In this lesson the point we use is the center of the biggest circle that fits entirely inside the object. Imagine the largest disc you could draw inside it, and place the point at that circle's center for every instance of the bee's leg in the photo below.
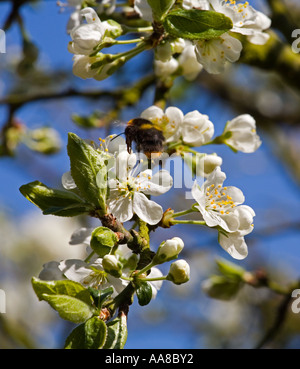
(128, 143)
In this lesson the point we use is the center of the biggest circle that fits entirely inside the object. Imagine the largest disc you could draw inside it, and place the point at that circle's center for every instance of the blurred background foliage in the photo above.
(41, 101)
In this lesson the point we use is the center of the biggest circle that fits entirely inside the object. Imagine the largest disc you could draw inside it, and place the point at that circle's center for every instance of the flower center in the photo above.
(164, 123)
(216, 199)
(96, 278)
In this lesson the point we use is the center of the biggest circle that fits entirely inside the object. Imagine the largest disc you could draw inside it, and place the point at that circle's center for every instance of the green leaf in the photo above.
(76, 339)
(69, 308)
(197, 24)
(100, 296)
(63, 287)
(144, 293)
(86, 165)
(52, 201)
(160, 8)
(230, 270)
(103, 240)
(116, 333)
(90, 335)
(222, 288)
(95, 333)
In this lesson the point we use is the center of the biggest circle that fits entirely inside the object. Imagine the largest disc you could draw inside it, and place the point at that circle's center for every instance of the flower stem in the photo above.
(90, 256)
(126, 42)
(196, 222)
(127, 29)
(182, 213)
(163, 278)
(126, 278)
(146, 268)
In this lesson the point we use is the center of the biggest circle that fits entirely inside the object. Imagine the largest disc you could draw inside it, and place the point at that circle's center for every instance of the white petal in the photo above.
(51, 272)
(68, 181)
(81, 236)
(216, 178)
(234, 244)
(120, 207)
(159, 184)
(82, 67)
(155, 285)
(143, 9)
(245, 214)
(147, 210)
(199, 197)
(75, 270)
(152, 113)
(90, 15)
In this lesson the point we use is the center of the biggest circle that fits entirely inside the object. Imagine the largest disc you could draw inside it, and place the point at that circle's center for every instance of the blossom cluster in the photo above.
(173, 55)
(113, 183)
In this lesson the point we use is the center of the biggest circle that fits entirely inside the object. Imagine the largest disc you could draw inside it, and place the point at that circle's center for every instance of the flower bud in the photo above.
(179, 272)
(103, 240)
(169, 250)
(211, 161)
(112, 266)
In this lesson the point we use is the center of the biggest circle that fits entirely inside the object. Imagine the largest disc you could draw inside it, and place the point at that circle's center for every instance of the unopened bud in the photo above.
(211, 161)
(112, 266)
(169, 250)
(179, 272)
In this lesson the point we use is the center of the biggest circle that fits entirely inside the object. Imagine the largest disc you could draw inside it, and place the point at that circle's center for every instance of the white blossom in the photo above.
(241, 133)
(91, 275)
(169, 120)
(217, 203)
(127, 195)
(246, 20)
(165, 69)
(189, 63)
(196, 129)
(213, 54)
(87, 35)
(221, 207)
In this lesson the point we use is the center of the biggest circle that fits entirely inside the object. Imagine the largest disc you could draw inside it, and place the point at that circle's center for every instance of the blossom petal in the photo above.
(51, 272)
(152, 113)
(155, 285)
(81, 236)
(234, 244)
(147, 210)
(159, 184)
(120, 207)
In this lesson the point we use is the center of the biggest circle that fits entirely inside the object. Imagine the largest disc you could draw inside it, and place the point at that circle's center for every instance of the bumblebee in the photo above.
(146, 135)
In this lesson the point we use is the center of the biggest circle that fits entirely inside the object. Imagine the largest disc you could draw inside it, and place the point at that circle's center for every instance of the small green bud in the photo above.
(114, 29)
(103, 240)
(179, 272)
